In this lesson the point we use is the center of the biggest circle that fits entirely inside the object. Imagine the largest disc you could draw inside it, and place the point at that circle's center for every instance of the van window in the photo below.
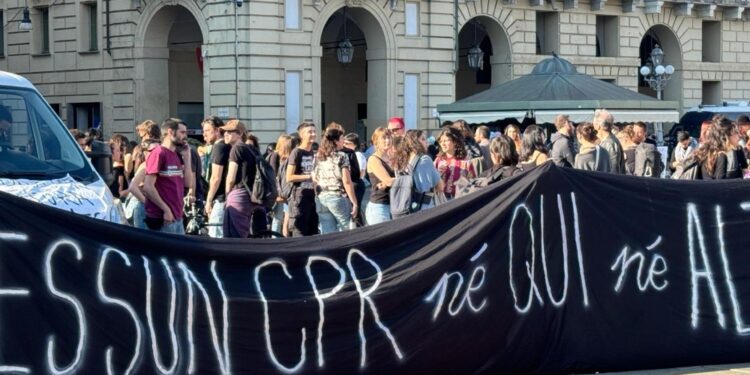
(34, 143)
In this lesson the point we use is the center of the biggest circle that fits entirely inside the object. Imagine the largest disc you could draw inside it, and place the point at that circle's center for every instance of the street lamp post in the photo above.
(657, 75)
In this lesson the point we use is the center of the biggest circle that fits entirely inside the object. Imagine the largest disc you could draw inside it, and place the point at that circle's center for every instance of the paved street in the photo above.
(734, 369)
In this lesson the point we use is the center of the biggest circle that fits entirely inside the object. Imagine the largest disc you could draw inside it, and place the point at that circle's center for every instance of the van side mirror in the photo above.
(101, 158)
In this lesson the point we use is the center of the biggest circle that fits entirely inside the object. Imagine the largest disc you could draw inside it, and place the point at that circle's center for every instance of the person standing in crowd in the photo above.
(513, 132)
(142, 130)
(211, 126)
(381, 177)
(683, 150)
(284, 147)
(135, 190)
(591, 157)
(533, 149)
(396, 126)
(336, 203)
(6, 126)
(504, 159)
(626, 136)
(645, 152)
(473, 151)
(603, 123)
(303, 218)
(119, 146)
(562, 151)
(354, 171)
(217, 154)
(411, 157)
(150, 139)
(166, 178)
(242, 217)
(718, 155)
(252, 140)
(451, 161)
(195, 189)
(80, 139)
(351, 142)
(482, 136)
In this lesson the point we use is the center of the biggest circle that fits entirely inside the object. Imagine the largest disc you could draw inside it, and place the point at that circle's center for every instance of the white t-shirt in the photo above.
(362, 163)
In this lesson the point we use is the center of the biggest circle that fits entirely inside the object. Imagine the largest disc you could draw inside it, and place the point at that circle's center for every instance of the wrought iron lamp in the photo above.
(476, 55)
(345, 50)
(657, 76)
(655, 73)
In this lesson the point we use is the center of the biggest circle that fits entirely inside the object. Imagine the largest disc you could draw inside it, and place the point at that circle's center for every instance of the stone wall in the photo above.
(116, 77)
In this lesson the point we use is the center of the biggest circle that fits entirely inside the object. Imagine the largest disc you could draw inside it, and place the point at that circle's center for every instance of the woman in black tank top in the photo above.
(381, 176)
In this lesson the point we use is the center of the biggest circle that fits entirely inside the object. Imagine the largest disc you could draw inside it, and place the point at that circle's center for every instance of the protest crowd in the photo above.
(308, 183)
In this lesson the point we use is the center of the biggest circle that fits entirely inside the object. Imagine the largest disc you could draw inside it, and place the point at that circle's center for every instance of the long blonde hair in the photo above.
(284, 146)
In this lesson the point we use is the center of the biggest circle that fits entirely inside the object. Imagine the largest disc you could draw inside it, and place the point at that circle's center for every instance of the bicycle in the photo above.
(197, 224)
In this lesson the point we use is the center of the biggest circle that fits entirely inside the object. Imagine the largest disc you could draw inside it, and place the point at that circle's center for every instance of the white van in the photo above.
(40, 160)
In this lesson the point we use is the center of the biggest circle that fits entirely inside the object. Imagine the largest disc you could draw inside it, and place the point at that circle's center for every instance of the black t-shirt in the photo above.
(244, 155)
(220, 155)
(303, 162)
(353, 165)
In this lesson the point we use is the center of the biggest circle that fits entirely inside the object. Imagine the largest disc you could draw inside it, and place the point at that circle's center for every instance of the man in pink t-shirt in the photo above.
(167, 173)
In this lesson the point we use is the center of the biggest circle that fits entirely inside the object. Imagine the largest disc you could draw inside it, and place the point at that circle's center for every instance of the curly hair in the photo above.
(328, 146)
(458, 142)
(409, 144)
(463, 127)
(626, 135)
(532, 140)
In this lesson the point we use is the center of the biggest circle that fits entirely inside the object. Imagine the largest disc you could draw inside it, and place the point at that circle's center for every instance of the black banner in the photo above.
(552, 271)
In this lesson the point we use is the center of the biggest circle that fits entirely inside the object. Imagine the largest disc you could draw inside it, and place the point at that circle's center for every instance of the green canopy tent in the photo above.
(555, 87)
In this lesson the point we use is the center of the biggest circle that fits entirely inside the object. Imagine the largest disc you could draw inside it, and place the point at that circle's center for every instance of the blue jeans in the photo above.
(175, 227)
(277, 225)
(216, 220)
(377, 213)
(334, 212)
(139, 216)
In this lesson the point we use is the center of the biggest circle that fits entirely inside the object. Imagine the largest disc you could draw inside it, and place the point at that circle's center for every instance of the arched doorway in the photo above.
(170, 75)
(668, 42)
(497, 66)
(354, 94)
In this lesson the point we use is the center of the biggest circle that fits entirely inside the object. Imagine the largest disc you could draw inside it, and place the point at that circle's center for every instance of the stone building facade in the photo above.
(273, 63)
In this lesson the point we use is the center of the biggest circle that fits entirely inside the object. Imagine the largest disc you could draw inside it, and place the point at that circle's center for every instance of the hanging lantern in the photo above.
(476, 55)
(26, 21)
(345, 52)
(476, 58)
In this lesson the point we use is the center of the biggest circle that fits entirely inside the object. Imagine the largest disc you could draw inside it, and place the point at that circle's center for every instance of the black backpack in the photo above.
(264, 191)
(465, 186)
(286, 189)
